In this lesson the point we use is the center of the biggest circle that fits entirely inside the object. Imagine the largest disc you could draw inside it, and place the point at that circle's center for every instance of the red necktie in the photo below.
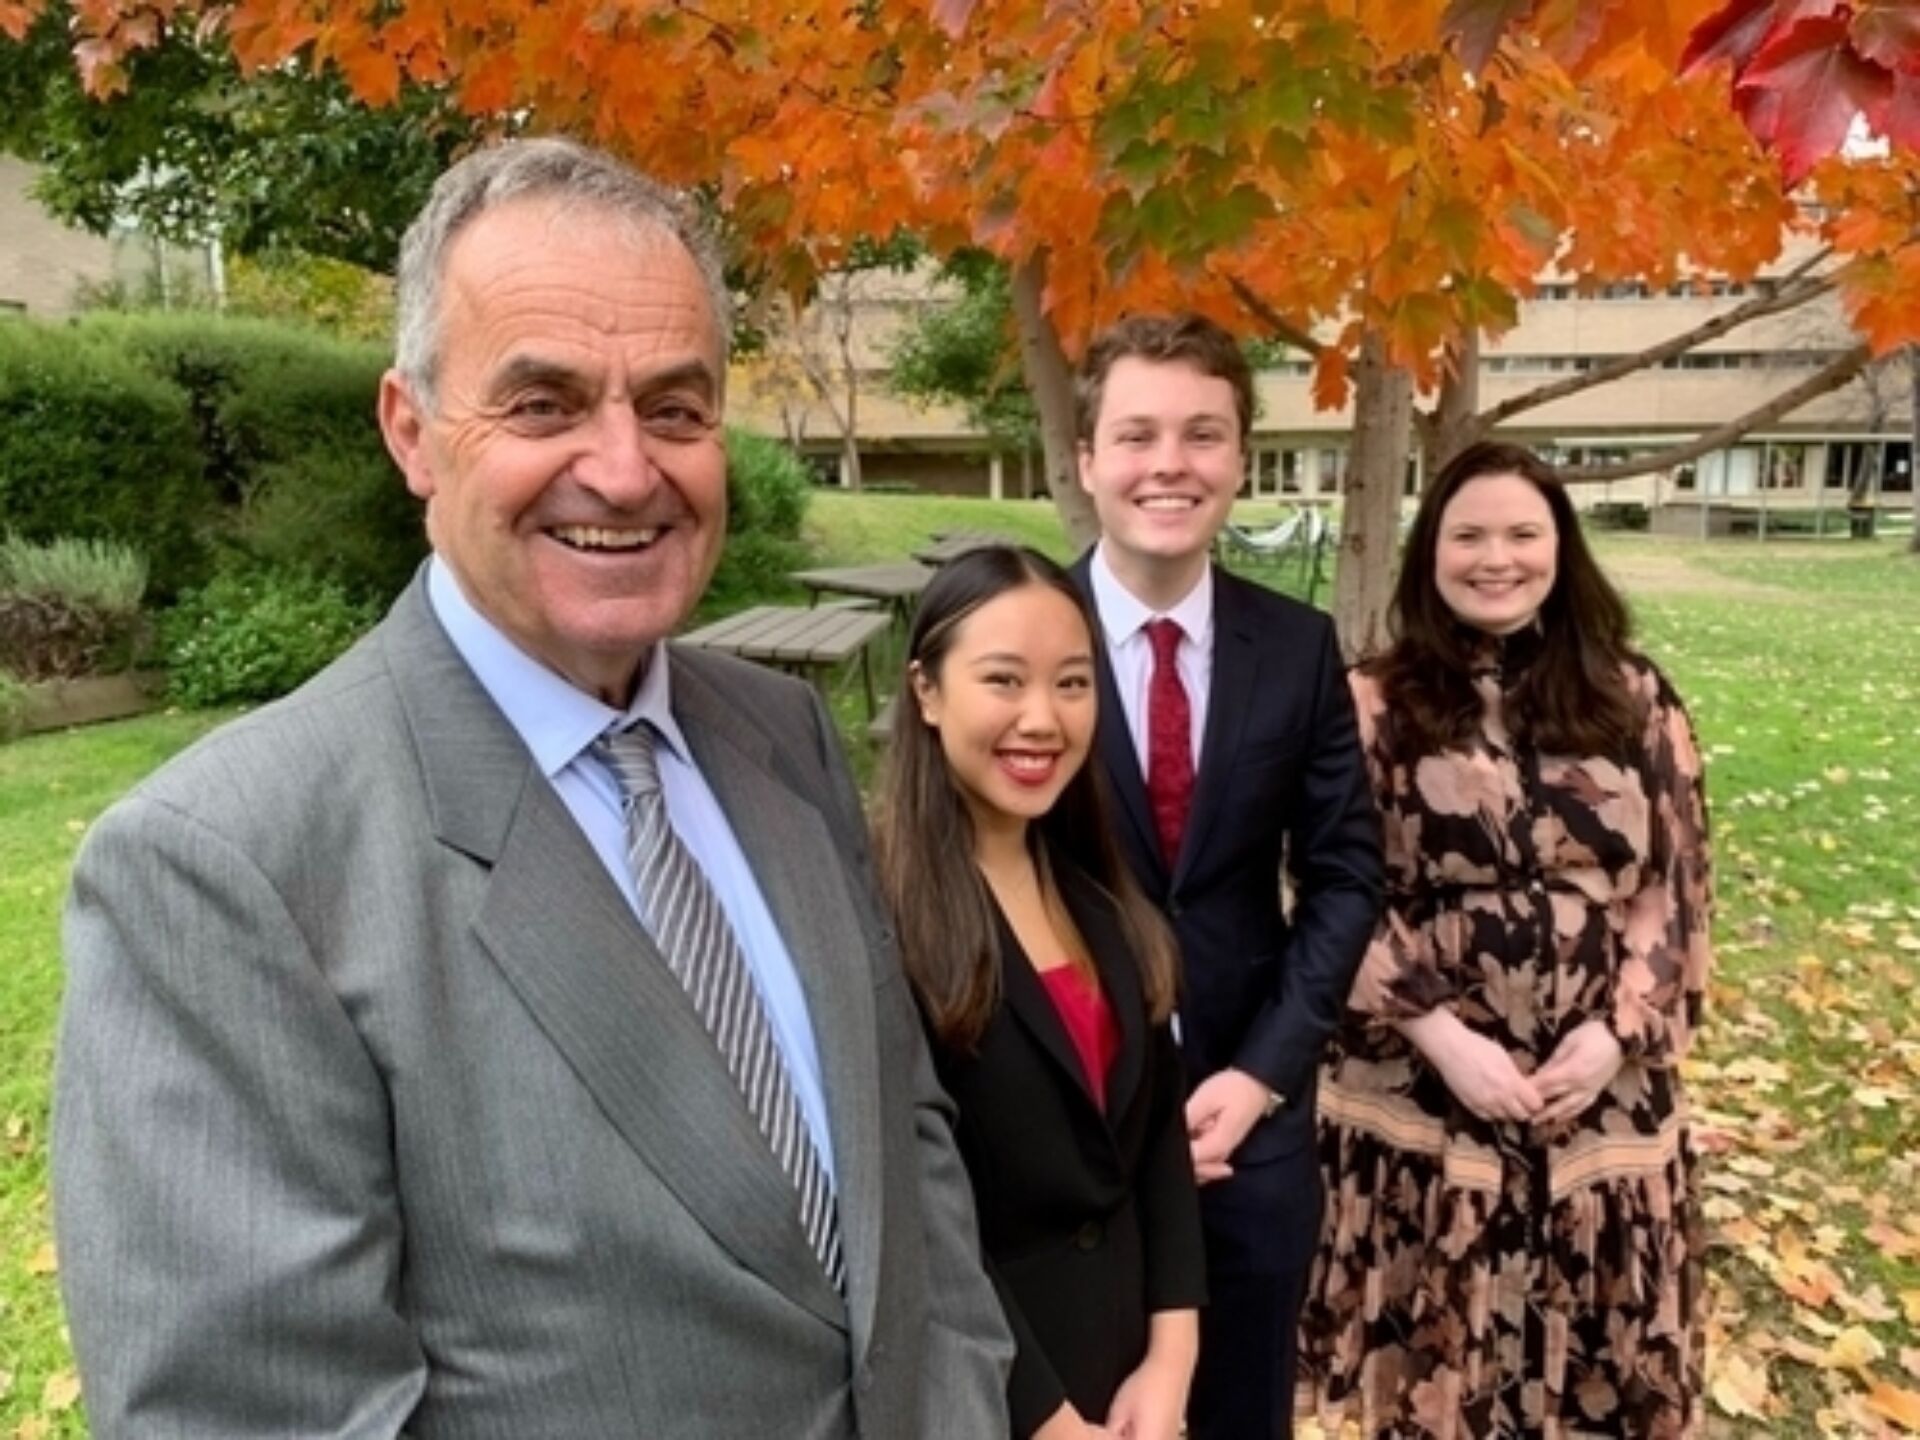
(1169, 740)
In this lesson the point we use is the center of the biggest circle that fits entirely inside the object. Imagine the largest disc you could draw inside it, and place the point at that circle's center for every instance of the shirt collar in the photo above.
(1123, 615)
(555, 719)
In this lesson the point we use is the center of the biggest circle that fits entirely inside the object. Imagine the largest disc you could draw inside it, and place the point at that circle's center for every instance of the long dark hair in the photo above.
(924, 837)
(1573, 697)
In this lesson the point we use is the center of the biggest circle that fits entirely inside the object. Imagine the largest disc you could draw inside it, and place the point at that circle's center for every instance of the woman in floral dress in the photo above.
(1512, 1244)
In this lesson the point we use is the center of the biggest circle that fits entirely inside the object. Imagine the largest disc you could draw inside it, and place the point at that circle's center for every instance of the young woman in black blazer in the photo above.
(1047, 981)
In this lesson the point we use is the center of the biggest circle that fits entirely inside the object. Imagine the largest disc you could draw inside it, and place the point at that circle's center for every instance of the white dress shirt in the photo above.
(559, 723)
(1123, 618)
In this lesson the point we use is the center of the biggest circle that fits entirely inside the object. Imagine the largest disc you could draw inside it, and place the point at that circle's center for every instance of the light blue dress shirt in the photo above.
(558, 723)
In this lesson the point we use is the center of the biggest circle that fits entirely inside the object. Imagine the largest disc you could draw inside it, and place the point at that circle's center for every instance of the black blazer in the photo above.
(1089, 1221)
(1281, 775)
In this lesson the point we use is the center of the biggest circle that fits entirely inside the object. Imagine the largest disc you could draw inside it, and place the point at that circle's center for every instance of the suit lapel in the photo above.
(571, 948)
(820, 923)
(1032, 1006)
(1119, 970)
(1236, 676)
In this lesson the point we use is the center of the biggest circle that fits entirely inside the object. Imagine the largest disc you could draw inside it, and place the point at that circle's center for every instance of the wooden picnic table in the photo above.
(798, 639)
(897, 586)
(952, 544)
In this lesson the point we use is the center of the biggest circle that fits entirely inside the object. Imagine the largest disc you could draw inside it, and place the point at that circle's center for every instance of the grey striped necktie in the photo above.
(691, 929)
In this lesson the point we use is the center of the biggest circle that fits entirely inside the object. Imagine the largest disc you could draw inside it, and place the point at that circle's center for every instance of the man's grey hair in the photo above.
(572, 174)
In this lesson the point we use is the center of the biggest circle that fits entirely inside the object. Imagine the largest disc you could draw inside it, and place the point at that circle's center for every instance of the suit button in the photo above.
(1089, 1236)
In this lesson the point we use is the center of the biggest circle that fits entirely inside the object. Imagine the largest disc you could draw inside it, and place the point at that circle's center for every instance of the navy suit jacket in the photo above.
(1281, 780)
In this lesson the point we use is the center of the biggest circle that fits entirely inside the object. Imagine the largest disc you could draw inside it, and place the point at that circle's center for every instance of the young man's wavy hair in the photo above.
(1572, 698)
(924, 832)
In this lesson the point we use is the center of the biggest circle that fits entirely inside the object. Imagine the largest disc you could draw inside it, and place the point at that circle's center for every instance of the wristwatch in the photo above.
(1276, 1102)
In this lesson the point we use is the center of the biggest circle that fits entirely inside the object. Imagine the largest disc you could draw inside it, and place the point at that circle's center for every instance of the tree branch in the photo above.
(1278, 326)
(1796, 288)
(1831, 377)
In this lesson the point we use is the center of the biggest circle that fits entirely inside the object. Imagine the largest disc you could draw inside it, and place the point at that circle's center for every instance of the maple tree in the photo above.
(1328, 164)
(1804, 73)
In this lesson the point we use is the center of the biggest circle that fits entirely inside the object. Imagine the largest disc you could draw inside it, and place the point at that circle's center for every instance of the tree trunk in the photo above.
(1370, 513)
(850, 436)
(1050, 379)
(1913, 460)
(1455, 422)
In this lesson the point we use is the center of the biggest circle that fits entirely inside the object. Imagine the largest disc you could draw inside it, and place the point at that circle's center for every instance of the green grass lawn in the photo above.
(1801, 662)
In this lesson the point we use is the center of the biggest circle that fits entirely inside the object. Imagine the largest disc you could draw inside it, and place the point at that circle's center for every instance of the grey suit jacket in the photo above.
(376, 1112)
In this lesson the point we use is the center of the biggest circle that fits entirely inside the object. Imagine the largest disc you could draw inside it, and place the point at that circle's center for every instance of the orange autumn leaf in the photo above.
(1896, 1403)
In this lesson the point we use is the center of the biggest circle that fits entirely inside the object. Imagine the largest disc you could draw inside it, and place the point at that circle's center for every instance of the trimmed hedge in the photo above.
(228, 448)
(260, 393)
(93, 446)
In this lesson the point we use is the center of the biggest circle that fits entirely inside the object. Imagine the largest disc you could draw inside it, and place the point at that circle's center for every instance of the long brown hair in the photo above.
(924, 837)
(1573, 698)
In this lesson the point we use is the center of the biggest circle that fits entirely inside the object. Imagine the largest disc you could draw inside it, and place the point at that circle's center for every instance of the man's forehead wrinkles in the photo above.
(525, 369)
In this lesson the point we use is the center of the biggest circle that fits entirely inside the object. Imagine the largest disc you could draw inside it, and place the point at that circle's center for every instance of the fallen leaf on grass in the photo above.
(1869, 1305)
(1894, 1403)
(1855, 1348)
(43, 1261)
(1740, 1387)
(61, 1391)
(1896, 1245)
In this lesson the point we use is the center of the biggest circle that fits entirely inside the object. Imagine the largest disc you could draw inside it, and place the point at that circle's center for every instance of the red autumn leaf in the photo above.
(1888, 33)
(1478, 26)
(1740, 31)
(1822, 84)
(1735, 33)
(1901, 121)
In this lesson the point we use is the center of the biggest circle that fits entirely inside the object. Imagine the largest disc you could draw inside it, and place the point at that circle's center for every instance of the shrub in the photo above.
(93, 447)
(259, 392)
(253, 636)
(343, 516)
(13, 705)
(99, 574)
(753, 569)
(767, 486)
(71, 607)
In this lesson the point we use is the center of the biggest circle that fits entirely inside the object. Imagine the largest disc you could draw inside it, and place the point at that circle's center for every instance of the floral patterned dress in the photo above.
(1480, 1278)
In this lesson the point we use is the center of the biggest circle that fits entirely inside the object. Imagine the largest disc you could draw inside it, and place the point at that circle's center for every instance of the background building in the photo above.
(1852, 444)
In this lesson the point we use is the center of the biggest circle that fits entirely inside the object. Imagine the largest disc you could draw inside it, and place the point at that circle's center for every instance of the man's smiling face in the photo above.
(1163, 464)
(572, 463)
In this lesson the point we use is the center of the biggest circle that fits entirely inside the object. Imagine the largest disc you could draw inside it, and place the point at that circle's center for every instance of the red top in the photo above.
(1083, 1009)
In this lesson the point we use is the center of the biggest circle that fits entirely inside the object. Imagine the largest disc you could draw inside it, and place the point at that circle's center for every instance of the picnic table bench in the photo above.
(952, 544)
(896, 586)
(799, 639)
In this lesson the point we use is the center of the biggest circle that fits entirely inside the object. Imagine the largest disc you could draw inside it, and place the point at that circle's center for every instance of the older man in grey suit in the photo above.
(499, 1036)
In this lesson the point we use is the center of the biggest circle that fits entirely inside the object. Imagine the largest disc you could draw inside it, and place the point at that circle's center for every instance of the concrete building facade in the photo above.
(44, 265)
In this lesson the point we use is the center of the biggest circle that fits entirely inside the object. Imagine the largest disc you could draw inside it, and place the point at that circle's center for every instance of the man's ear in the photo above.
(403, 423)
(1083, 460)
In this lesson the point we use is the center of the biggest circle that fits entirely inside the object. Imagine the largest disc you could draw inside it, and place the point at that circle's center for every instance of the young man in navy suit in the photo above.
(1227, 732)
